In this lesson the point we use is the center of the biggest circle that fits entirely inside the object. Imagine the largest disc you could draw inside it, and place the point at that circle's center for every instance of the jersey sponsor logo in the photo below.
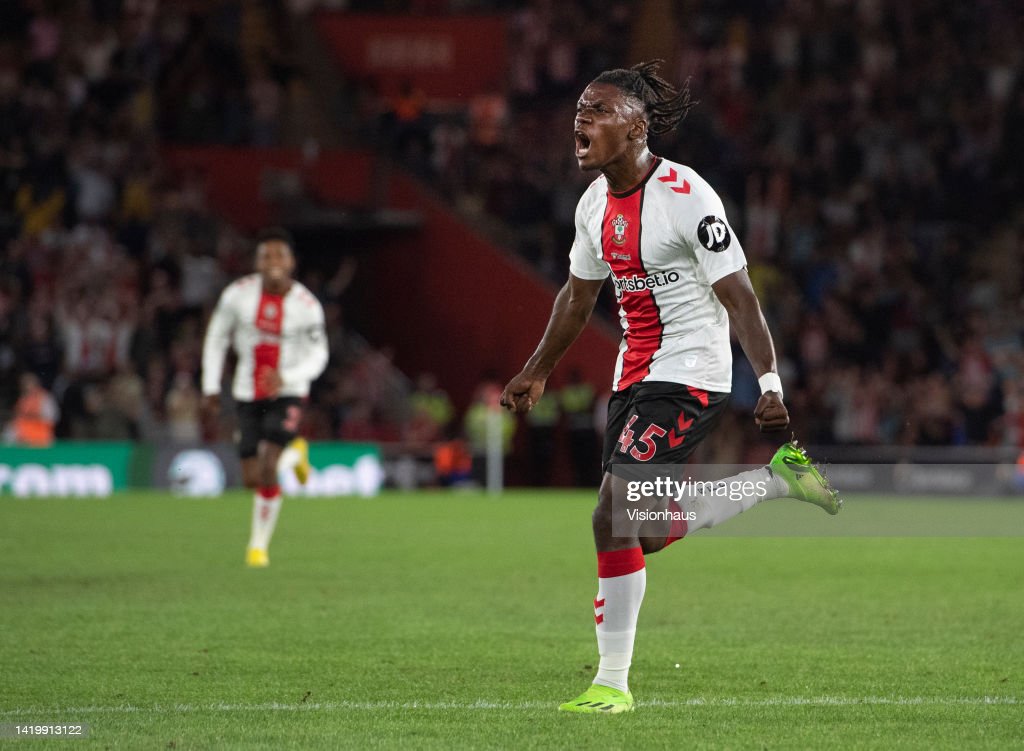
(713, 234)
(619, 225)
(638, 283)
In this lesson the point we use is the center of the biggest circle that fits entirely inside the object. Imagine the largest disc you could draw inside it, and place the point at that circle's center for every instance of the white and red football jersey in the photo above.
(283, 332)
(665, 242)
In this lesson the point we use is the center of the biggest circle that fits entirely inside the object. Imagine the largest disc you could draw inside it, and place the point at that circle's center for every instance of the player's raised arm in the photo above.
(737, 295)
(569, 315)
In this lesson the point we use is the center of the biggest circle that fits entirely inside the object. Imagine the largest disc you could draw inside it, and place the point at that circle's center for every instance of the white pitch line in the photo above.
(778, 701)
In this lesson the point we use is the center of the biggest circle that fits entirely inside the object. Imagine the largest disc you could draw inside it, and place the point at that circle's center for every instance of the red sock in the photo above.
(619, 562)
(270, 491)
(678, 529)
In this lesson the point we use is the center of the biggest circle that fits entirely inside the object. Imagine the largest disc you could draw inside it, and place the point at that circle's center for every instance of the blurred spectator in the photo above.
(40, 353)
(541, 426)
(125, 393)
(484, 415)
(35, 415)
(265, 102)
(182, 408)
(107, 416)
(577, 399)
(453, 462)
(405, 122)
(431, 411)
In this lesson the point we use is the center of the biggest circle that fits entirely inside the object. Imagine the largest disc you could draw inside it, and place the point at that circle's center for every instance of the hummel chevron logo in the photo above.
(672, 177)
(683, 424)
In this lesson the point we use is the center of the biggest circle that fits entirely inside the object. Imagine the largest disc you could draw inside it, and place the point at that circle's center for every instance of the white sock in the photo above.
(616, 609)
(264, 519)
(734, 495)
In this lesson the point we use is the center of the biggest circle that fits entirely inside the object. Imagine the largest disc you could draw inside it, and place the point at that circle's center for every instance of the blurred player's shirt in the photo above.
(665, 242)
(281, 332)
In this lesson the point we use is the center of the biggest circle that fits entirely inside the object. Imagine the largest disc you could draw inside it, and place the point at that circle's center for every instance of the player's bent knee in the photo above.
(652, 544)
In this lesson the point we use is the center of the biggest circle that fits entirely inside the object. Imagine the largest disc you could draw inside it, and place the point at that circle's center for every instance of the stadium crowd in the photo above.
(870, 157)
(109, 266)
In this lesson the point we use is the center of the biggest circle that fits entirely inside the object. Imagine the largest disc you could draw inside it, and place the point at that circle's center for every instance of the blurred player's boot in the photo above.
(295, 458)
(600, 699)
(805, 482)
(301, 467)
(256, 558)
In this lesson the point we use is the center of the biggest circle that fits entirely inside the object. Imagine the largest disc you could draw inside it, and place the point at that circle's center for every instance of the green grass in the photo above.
(443, 621)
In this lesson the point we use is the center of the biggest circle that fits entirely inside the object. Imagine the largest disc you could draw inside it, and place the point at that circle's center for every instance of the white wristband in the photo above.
(770, 382)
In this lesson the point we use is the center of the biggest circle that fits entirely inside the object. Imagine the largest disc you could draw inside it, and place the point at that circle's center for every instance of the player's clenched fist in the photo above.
(770, 413)
(521, 393)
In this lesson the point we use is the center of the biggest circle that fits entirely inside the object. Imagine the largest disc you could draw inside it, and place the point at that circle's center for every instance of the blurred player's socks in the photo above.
(621, 581)
(265, 508)
(732, 496)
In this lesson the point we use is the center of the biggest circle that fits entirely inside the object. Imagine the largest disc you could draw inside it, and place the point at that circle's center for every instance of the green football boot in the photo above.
(600, 699)
(805, 482)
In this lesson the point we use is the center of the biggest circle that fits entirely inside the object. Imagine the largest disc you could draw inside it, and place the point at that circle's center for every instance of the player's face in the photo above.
(605, 120)
(274, 261)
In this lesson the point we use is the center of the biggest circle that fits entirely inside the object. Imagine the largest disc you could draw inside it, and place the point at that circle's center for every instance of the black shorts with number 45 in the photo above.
(273, 420)
(658, 422)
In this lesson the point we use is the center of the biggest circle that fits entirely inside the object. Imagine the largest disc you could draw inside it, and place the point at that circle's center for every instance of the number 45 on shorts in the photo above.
(646, 447)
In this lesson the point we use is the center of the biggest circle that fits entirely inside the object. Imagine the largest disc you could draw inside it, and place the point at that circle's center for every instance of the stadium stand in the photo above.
(870, 157)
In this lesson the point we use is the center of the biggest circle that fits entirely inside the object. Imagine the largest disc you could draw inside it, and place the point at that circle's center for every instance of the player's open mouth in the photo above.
(582, 143)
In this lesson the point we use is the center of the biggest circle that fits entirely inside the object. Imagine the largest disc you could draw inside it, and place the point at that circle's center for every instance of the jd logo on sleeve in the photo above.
(713, 234)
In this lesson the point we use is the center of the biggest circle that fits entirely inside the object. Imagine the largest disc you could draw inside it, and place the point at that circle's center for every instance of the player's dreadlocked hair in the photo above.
(665, 105)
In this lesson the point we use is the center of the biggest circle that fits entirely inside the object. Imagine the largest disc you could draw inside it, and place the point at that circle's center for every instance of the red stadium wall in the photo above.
(236, 181)
(444, 297)
(448, 58)
(458, 306)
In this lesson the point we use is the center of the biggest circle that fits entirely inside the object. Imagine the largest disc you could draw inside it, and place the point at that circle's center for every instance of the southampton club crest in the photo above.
(619, 224)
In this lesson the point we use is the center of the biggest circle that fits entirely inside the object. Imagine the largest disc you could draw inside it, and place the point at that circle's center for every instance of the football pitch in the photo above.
(432, 620)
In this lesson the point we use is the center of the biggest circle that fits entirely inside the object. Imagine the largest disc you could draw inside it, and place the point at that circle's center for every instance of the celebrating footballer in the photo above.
(660, 231)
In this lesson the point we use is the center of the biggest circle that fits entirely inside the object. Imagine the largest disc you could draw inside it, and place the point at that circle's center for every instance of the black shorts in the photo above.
(273, 420)
(657, 422)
